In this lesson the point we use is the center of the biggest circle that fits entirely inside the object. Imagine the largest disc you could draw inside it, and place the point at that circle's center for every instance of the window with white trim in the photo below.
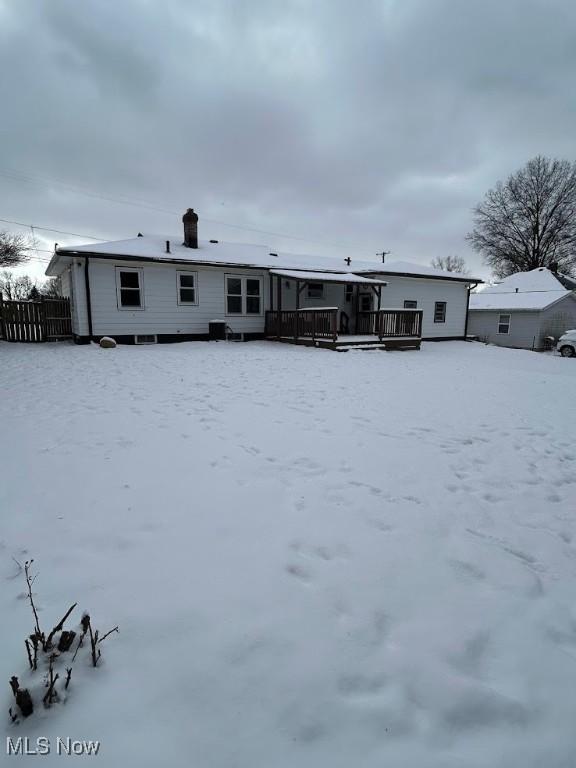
(410, 304)
(243, 295)
(440, 312)
(503, 324)
(129, 288)
(315, 290)
(187, 284)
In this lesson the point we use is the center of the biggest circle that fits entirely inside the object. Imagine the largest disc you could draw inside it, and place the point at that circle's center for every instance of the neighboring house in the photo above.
(524, 309)
(150, 289)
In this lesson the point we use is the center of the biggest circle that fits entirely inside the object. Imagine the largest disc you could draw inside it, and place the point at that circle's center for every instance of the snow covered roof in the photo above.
(153, 248)
(327, 277)
(534, 290)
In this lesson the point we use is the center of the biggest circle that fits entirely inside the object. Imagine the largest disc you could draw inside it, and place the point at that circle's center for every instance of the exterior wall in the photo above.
(528, 330)
(78, 299)
(162, 314)
(559, 318)
(66, 284)
(525, 331)
(426, 292)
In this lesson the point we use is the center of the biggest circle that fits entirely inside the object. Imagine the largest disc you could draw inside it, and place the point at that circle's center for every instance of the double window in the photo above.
(129, 288)
(503, 324)
(440, 312)
(243, 295)
(187, 286)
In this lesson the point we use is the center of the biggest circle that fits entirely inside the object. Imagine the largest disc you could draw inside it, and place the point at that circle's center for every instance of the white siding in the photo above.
(427, 293)
(524, 328)
(65, 284)
(162, 313)
(78, 291)
(528, 330)
(559, 318)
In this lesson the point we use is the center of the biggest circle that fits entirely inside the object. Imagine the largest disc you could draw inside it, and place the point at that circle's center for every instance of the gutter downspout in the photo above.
(470, 289)
(88, 297)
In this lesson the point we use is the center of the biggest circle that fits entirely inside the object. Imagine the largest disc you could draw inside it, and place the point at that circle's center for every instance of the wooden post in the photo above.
(278, 304)
(335, 324)
(357, 292)
(379, 316)
(297, 308)
(271, 289)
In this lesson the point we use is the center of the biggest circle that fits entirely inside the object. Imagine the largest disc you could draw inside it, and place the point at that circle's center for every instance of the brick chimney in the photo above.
(190, 221)
(554, 267)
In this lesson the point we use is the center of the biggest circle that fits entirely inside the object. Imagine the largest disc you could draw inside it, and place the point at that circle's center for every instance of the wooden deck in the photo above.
(381, 329)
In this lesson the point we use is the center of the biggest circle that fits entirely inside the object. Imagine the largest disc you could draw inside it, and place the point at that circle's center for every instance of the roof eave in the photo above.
(468, 280)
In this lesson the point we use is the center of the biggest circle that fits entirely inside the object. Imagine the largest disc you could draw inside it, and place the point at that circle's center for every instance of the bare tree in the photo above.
(15, 288)
(449, 263)
(51, 288)
(530, 220)
(14, 249)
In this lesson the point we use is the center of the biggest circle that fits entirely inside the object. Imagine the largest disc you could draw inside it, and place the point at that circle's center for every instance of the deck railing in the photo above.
(309, 323)
(323, 323)
(391, 323)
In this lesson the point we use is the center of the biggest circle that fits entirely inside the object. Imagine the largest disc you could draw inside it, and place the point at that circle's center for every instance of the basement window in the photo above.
(146, 338)
(440, 312)
(503, 324)
(129, 291)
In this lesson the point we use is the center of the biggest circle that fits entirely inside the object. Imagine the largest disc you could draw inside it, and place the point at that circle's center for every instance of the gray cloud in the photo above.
(370, 125)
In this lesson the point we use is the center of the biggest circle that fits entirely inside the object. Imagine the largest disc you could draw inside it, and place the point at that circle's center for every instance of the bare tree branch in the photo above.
(530, 220)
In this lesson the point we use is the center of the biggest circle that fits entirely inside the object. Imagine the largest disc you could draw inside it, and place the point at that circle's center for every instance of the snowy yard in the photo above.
(315, 559)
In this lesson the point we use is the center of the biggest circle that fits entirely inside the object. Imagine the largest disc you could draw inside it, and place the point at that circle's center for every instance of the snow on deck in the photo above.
(314, 559)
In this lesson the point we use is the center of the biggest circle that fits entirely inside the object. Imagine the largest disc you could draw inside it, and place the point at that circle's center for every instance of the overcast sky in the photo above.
(355, 126)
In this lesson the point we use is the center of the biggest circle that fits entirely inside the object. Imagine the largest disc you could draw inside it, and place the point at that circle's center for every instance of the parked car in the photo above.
(567, 344)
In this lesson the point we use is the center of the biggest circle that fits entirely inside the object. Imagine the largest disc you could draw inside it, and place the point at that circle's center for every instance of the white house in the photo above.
(523, 309)
(159, 289)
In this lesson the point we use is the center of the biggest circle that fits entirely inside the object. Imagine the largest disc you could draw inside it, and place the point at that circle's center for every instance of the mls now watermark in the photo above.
(45, 746)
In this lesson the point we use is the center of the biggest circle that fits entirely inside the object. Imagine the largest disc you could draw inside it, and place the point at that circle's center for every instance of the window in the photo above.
(187, 287)
(440, 312)
(253, 295)
(365, 302)
(409, 304)
(348, 291)
(504, 324)
(315, 290)
(243, 295)
(129, 288)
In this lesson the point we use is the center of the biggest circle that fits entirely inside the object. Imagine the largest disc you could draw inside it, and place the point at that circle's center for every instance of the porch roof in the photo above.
(326, 277)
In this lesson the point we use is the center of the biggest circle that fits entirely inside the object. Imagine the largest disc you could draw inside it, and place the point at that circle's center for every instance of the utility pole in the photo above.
(383, 254)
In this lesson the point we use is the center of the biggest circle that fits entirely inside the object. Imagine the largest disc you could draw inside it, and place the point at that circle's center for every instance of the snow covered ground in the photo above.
(315, 559)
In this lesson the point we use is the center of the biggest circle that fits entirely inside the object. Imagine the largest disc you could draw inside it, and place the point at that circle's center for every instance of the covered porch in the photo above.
(358, 321)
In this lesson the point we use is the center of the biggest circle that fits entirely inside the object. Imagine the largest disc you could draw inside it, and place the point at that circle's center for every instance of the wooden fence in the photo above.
(35, 321)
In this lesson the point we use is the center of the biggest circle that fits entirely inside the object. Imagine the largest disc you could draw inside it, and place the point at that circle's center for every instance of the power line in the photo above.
(49, 229)
(18, 176)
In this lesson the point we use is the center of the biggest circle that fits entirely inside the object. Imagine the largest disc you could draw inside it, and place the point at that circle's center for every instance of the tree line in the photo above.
(15, 250)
